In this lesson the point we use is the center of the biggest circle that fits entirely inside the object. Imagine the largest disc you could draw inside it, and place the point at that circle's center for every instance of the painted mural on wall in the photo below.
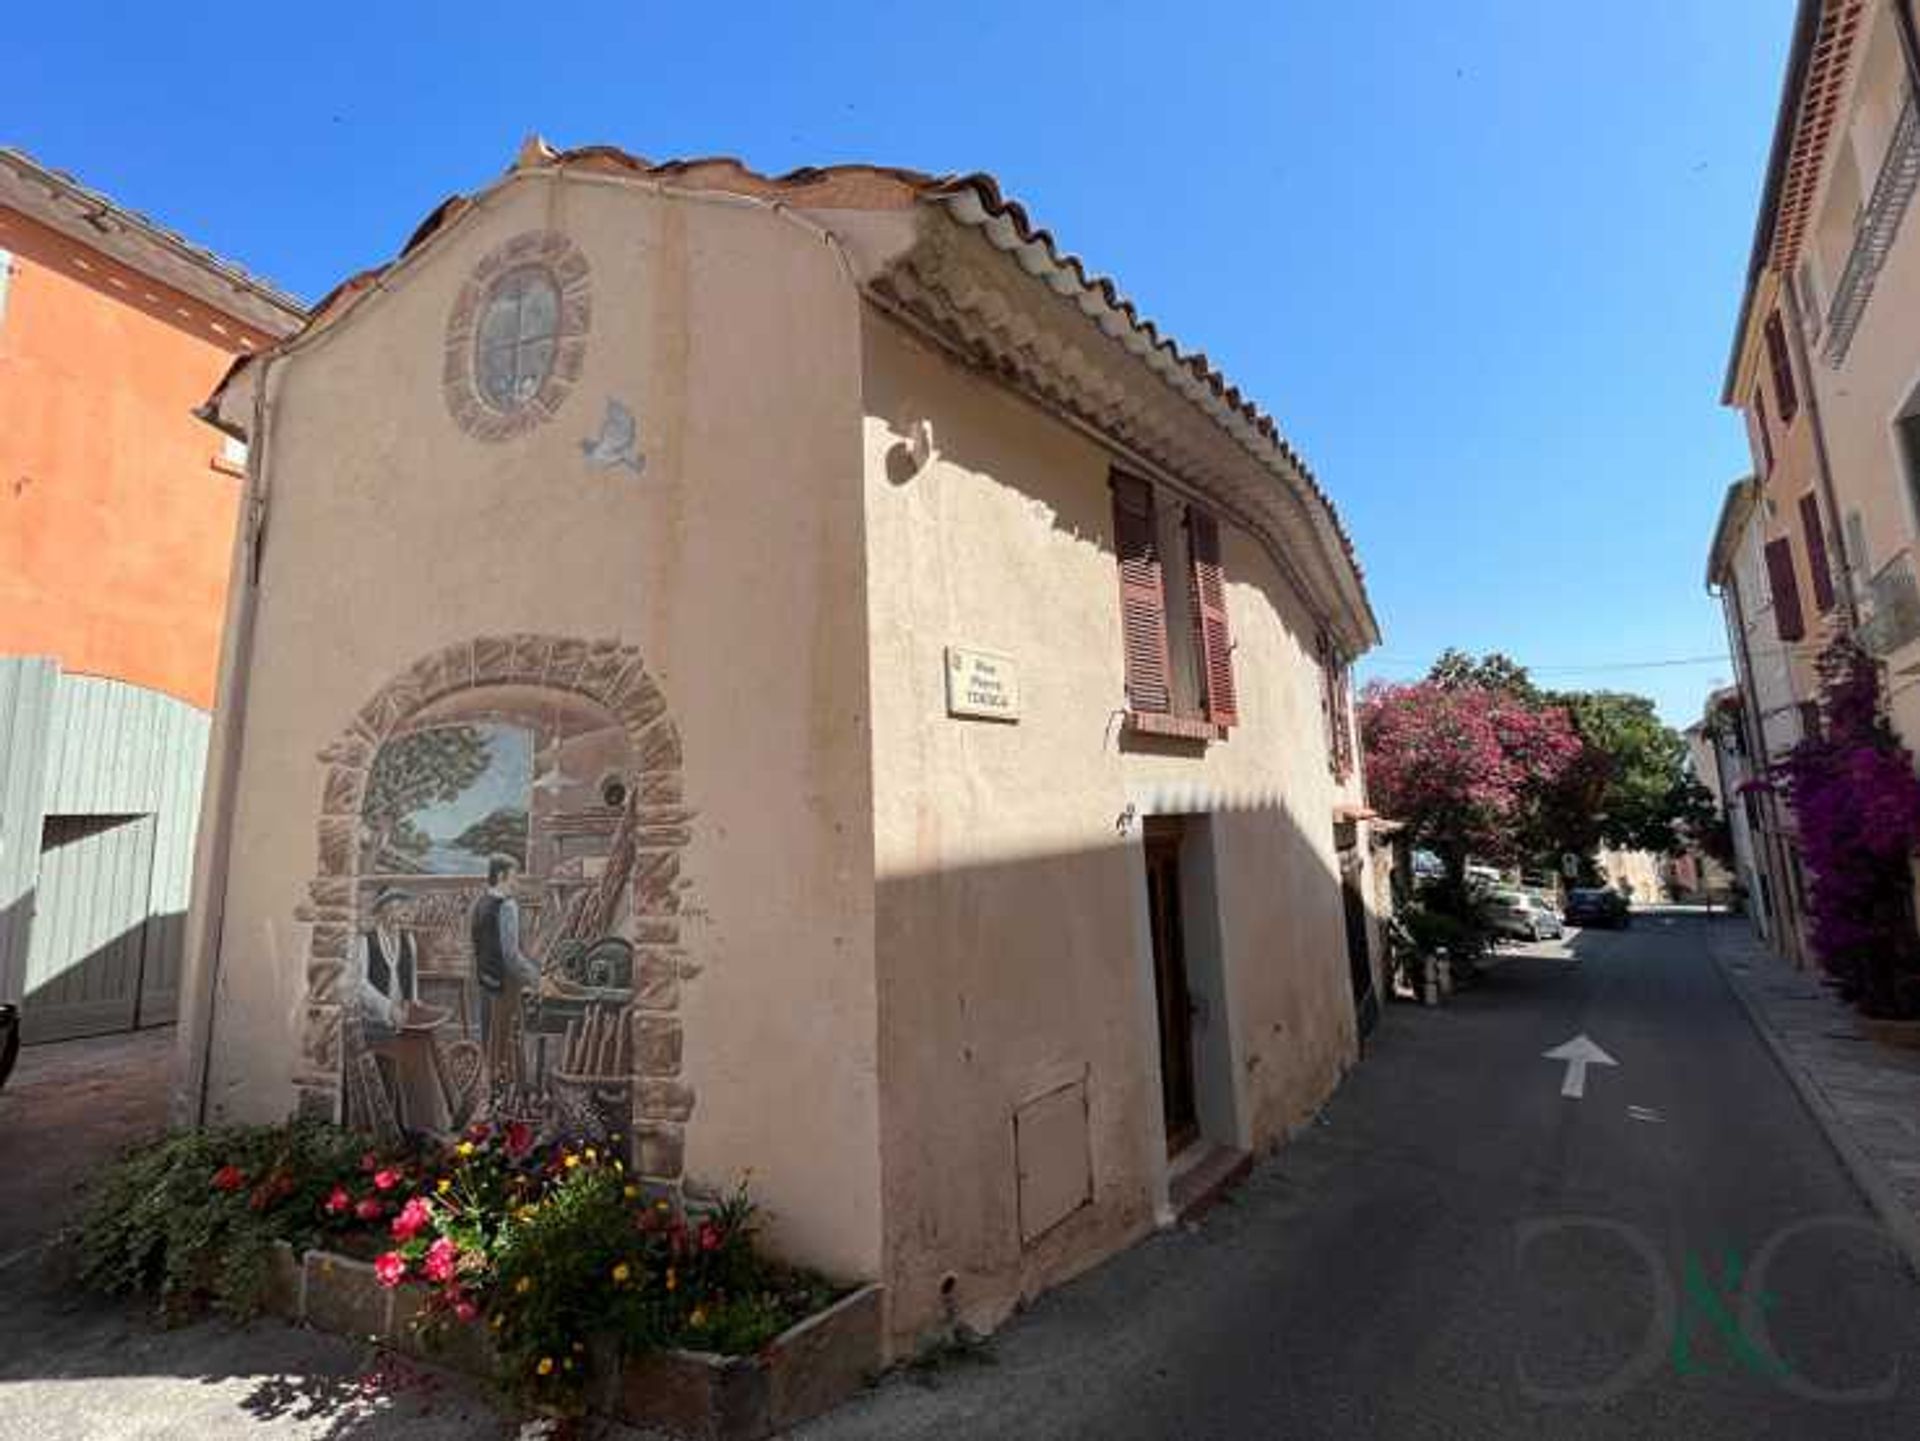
(495, 929)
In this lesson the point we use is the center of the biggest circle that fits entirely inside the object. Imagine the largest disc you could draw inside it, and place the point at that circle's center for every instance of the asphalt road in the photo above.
(1458, 1250)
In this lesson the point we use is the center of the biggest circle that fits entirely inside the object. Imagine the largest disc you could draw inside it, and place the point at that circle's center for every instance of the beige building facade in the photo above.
(1832, 286)
(1774, 680)
(903, 695)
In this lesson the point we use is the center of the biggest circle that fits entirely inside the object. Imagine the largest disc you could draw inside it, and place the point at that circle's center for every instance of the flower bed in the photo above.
(547, 1268)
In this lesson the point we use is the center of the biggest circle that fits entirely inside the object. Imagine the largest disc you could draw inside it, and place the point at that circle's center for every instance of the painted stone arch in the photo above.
(597, 1042)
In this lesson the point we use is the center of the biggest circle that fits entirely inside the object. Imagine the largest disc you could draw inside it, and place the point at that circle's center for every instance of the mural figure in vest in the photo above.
(388, 968)
(501, 971)
(388, 965)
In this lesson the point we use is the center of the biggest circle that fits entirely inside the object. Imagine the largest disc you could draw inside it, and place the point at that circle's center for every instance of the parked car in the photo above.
(9, 1040)
(1598, 906)
(1524, 917)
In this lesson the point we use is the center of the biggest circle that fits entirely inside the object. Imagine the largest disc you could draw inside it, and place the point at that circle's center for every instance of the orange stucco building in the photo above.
(119, 503)
(117, 514)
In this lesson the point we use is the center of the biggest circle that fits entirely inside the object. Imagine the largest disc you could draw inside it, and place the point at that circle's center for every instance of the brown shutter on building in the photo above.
(1784, 393)
(1210, 617)
(1817, 552)
(1143, 600)
(1787, 619)
(1757, 428)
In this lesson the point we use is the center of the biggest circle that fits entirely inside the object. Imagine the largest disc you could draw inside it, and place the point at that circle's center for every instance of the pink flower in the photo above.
(369, 1162)
(338, 1201)
(465, 1309)
(519, 1139)
(413, 1218)
(709, 1237)
(390, 1269)
(386, 1180)
(368, 1209)
(478, 1132)
(442, 1256)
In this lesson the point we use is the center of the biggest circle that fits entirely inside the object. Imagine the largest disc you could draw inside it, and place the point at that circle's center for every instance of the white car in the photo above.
(1524, 917)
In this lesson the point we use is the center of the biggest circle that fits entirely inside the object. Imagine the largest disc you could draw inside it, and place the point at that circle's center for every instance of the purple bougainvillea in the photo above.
(1857, 803)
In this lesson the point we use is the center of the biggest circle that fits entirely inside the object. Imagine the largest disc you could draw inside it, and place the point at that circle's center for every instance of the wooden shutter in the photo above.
(1210, 617)
(1757, 424)
(1342, 716)
(1784, 393)
(1143, 598)
(1817, 552)
(1787, 619)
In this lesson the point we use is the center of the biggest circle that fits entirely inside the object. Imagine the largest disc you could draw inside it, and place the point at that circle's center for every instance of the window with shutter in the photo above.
(1788, 622)
(1784, 393)
(1215, 641)
(1336, 708)
(1817, 564)
(1757, 426)
(1143, 602)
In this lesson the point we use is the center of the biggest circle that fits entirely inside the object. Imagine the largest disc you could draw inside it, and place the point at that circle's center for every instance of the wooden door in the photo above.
(1366, 1004)
(88, 943)
(1174, 1004)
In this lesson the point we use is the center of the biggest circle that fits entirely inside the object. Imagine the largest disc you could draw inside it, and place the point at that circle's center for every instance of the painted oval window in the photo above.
(514, 346)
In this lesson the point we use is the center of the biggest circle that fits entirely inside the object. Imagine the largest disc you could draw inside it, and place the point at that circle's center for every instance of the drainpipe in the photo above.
(200, 986)
(1909, 43)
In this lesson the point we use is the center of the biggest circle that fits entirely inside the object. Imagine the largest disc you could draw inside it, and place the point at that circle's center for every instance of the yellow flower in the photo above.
(497, 1322)
(569, 1363)
(672, 1280)
(619, 1166)
(526, 1213)
(698, 1318)
(545, 1368)
(662, 1207)
(621, 1273)
(465, 1148)
(592, 1155)
(630, 1190)
(443, 1185)
(523, 1285)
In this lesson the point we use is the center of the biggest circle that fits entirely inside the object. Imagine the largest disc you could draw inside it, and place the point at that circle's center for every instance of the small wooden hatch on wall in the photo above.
(1053, 1158)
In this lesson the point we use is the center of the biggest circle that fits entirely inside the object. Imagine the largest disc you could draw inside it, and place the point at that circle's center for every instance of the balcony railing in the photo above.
(1874, 235)
(1893, 608)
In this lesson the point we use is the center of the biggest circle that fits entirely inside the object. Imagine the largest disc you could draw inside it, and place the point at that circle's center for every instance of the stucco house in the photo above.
(904, 693)
(118, 525)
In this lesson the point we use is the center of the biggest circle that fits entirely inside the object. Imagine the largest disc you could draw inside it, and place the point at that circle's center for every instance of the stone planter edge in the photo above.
(808, 1369)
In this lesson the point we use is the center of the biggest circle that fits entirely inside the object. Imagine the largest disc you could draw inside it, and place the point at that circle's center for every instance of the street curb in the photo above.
(1895, 1216)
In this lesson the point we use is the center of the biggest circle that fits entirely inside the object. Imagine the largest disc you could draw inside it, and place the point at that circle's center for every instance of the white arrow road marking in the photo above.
(1579, 1053)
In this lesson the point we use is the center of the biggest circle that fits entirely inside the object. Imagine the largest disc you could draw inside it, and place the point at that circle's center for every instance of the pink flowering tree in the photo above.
(1467, 767)
(1857, 803)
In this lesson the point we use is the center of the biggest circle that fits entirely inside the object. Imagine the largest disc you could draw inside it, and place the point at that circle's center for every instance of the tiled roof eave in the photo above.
(972, 203)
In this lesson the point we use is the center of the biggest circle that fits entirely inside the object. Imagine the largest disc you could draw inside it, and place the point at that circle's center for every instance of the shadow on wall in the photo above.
(1034, 1074)
(1001, 441)
(92, 984)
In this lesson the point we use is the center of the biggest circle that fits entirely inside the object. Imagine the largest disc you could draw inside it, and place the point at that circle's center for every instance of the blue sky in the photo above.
(1481, 259)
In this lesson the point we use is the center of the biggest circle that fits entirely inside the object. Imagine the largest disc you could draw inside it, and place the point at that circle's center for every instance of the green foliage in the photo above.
(1647, 793)
(499, 832)
(556, 1250)
(1456, 669)
(1631, 788)
(428, 766)
(1463, 937)
(192, 1218)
